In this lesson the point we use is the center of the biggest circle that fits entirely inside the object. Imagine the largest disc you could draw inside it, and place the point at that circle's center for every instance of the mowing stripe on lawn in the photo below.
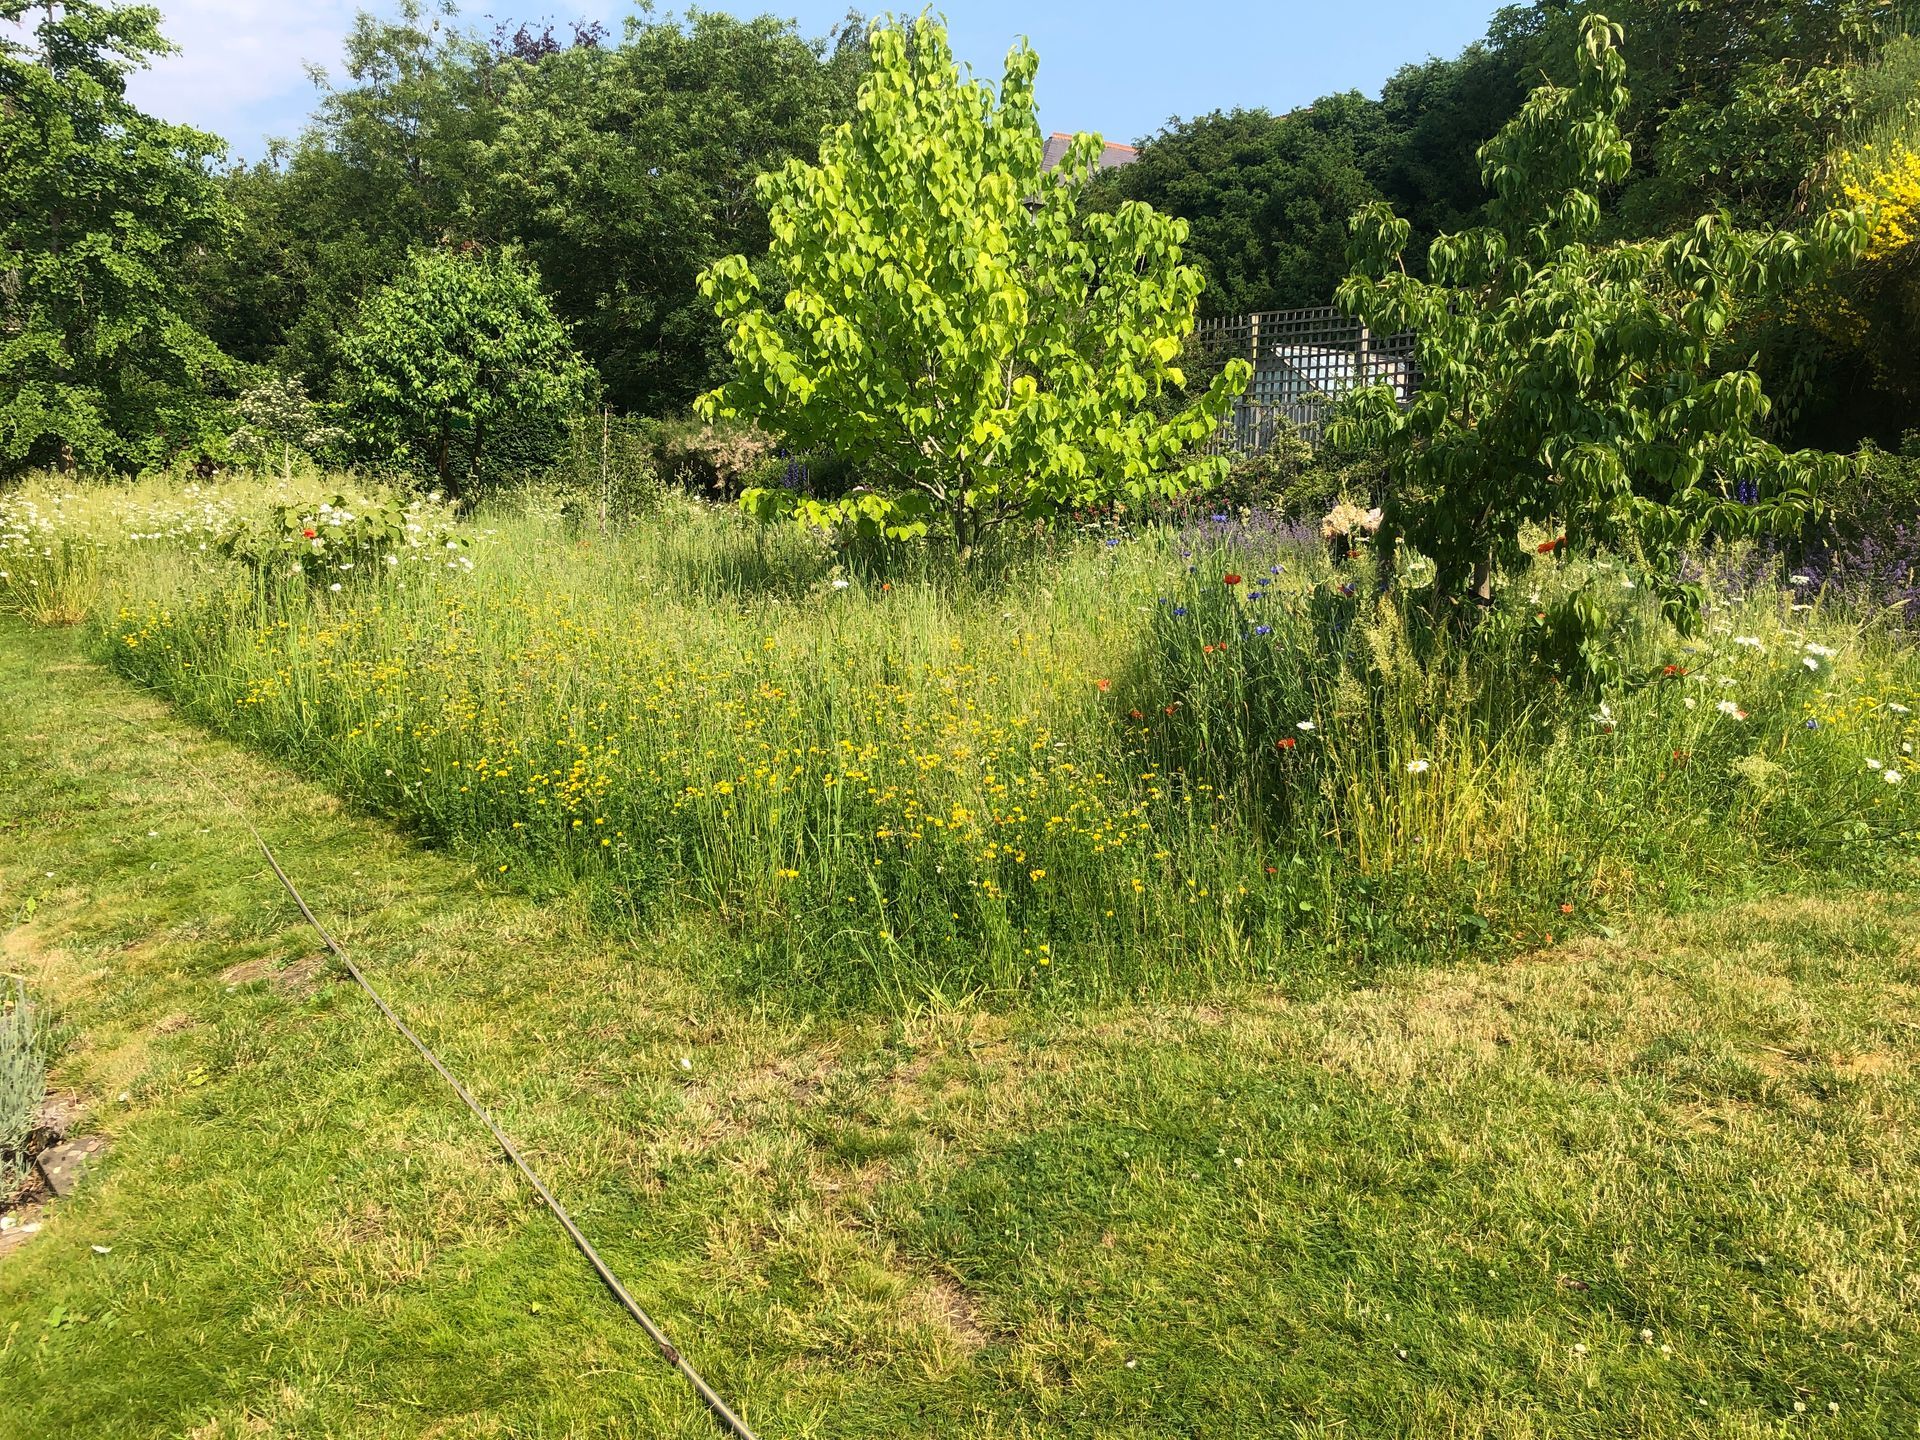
(722, 1412)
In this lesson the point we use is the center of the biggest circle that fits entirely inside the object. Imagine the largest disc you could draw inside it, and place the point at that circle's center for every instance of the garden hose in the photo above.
(721, 1411)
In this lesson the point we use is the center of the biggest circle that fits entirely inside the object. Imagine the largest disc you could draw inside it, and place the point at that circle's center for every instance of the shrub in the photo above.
(712, 458)
(459, 355)
(1880, 491)
(23, 1079)
(280, 425)
(336, 542)
(1297, 481)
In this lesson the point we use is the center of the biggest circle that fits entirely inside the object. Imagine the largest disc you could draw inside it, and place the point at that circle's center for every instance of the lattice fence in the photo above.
(1303, 361)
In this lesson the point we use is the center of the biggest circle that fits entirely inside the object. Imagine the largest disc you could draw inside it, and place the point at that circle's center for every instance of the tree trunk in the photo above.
(443, 467)
(963, 533)
(473, 456)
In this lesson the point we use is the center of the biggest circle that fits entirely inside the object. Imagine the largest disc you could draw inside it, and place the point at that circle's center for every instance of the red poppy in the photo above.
(1104, 685)
(1172, 708)
(311, 534)
(1545, 547)
(1285, 742)
(1231, 579)
(886, 584)
(1136, 715)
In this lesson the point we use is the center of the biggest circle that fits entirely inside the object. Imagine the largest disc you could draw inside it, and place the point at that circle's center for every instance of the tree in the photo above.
(1436, 116)
(949, 319)
(626, 170)
(385, 167)
(105, 209)
(1737, 101)
(459, 350)
(1578, 386)
(1266, 198)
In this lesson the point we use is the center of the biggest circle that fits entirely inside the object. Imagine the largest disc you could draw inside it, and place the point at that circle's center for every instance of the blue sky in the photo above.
(1121, 68)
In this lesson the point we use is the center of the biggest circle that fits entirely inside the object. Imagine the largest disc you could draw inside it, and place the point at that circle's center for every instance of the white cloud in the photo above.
(241, 68)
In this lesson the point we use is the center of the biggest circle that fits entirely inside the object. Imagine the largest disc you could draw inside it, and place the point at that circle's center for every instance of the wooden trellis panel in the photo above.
(1303, 361)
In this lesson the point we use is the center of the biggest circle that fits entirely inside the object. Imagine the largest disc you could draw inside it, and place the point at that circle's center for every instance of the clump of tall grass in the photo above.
(1135, 762)
(23, 1080)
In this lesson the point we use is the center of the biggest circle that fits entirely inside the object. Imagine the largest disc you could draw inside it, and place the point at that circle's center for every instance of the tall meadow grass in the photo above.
(1126, 761)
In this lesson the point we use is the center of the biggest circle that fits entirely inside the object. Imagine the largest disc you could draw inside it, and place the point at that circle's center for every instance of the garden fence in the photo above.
(1303, 362)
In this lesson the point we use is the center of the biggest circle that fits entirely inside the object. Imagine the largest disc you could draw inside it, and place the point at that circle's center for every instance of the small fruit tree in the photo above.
(948, 320)
(458, 351)
(1584, 387)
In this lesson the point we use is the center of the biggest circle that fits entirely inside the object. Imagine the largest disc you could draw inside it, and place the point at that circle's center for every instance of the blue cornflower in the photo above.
(1179, 609)
(1813, 724)
(1219, 519)
(1263, 629)
(1112, 543)
(1276, 569)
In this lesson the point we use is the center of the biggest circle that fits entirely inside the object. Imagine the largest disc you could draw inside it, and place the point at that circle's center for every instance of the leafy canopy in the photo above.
(461, 348)
(1579, 386)
(105, 209)
(950, 321)
(1266, 197)
(623, 171)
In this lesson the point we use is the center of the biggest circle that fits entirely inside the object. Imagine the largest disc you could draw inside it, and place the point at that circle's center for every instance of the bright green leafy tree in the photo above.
(460, 350)
(951, 321)
(105, 209)
(1571, 385)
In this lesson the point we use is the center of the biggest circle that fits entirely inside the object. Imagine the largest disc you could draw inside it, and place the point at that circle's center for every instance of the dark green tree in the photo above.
(385, 167)
(1266, 197)
(1736, 102)
(1435, 117)
(459, 353)
(625, 170)
(105, 210)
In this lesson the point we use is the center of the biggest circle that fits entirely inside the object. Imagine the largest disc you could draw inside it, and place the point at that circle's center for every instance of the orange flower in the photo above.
(1103, 685)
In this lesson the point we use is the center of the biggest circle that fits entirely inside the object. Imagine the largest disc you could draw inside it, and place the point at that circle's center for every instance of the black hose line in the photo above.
(722, 1413)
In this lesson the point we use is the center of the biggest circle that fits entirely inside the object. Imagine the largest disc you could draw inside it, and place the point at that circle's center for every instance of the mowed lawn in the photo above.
(1662, 1183)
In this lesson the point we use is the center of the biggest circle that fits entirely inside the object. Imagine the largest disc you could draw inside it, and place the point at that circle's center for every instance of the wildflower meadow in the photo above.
(1140, 759)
